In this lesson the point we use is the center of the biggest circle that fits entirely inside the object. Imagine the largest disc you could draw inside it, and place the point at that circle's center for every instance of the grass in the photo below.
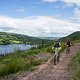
(15, 42)
(75, 66)
(19, 61)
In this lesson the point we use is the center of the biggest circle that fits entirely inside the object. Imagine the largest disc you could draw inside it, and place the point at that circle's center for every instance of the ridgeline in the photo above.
(73, 37)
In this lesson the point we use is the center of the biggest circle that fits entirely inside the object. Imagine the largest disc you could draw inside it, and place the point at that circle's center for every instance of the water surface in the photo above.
(5, 49)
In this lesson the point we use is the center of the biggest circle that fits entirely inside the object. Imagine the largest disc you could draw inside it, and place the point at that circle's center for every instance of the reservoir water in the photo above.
(5, 49)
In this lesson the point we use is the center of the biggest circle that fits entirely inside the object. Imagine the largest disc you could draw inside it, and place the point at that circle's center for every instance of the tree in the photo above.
(42, 43)
(6, 41)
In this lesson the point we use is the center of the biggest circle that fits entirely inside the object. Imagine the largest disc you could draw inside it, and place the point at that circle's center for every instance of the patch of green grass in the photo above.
(12, 65)
(77, 76)
(75, 66)
(15, 65)
(19, 61)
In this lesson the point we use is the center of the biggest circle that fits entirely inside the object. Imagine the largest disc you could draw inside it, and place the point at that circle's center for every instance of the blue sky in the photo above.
(33, 8)
(49, 18)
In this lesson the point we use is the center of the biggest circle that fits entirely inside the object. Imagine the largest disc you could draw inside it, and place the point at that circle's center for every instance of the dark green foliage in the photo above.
(73, 37)
(42, 43)
(6, 41)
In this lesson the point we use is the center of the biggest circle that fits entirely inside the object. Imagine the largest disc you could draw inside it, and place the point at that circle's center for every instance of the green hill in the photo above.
(73, 37)
(11, 38)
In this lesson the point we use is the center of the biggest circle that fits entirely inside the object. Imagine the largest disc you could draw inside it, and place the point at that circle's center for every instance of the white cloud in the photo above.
(49, 0)
(77, 12)
(37, 26)
(76, 15)
(77, 2)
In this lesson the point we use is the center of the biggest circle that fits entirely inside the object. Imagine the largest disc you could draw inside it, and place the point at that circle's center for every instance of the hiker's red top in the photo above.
(68, 43)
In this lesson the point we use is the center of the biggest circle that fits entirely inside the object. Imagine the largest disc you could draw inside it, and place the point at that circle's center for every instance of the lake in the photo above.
(5, 49)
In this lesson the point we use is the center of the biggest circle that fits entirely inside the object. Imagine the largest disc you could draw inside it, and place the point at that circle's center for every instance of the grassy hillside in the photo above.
(11, 38)
(73, 37)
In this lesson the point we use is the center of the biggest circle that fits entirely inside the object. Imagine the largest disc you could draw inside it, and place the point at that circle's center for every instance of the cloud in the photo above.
(76, 15)
(70, 2)
(77, 2)
(49, 0)
(77, 12)
(38, 26)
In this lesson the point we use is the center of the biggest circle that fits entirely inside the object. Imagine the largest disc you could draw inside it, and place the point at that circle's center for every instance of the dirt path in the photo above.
(49, 71)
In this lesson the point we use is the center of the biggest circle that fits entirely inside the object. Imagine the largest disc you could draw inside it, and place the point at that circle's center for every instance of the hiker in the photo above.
(68, 44)
(57, 48)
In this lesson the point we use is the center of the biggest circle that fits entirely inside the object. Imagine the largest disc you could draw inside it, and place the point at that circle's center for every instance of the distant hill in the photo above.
(11, 38)
(74, 36)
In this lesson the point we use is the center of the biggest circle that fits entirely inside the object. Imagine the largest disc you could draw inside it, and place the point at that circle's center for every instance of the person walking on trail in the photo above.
(57, 48)
(68, 44)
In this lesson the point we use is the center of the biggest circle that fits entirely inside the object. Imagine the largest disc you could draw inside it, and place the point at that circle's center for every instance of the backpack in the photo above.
(56, 44)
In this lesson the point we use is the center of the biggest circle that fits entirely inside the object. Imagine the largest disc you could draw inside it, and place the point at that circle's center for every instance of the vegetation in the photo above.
(22, 60)
(12, 38)
(18, 61)
(75, 66)
(75, 37)
(25, 60)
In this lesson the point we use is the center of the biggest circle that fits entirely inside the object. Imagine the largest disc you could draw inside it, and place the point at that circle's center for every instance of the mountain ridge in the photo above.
(74, 36)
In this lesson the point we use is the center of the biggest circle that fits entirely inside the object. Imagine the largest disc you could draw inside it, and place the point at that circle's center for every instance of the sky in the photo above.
(40, 18)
